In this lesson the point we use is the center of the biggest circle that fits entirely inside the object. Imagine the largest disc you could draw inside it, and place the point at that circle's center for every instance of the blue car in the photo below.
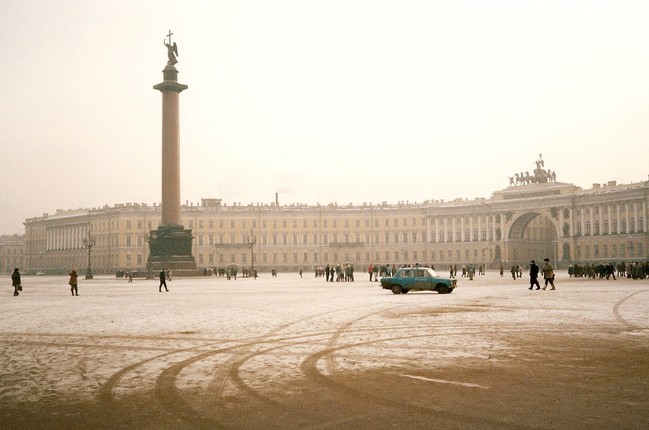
(418, 279)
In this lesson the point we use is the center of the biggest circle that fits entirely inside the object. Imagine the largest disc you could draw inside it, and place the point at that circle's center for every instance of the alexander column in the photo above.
(171, 244)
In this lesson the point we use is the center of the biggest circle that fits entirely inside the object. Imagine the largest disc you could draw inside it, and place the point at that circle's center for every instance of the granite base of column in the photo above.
(170, 248)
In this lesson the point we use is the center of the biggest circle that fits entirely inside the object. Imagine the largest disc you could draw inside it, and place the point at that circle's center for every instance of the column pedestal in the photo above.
(171, 248)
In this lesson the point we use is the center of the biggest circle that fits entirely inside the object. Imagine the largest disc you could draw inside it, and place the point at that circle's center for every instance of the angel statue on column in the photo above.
(172, 51)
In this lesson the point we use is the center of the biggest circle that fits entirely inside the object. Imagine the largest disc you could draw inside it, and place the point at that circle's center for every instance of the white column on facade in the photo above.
(471, 238)
(626, 213)
(453, 225)
(446, 238)
(644, 216)
(437, 236)
(572, 222)
(592, 220)
(462, 230)
(479, 228)
(608, 217)
(582, 220)
(428, 229)
(635, 217)
(617, 219)
(493, 227)
(601, 219)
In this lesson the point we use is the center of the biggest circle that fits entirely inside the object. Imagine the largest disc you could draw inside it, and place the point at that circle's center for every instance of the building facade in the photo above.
(12, 253)
(607, 223)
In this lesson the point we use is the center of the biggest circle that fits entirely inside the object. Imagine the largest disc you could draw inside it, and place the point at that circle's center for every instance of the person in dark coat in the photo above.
(15, 281)
(534, 276)
(73, 282)
(163, 281)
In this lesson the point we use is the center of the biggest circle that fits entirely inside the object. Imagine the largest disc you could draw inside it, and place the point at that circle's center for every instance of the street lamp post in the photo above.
(88, 242)
(250, 241)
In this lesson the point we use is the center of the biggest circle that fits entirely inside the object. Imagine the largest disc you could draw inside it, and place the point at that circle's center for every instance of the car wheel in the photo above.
(442, 289)
(396, 289)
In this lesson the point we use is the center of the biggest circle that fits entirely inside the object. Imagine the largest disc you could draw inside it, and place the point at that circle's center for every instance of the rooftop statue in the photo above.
(540, 176)
(172, 50)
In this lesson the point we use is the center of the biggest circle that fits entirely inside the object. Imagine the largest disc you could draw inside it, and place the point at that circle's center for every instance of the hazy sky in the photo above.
(321, 101)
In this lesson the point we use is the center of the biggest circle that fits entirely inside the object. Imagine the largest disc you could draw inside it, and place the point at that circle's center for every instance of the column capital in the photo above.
(170, 86)
(170, 83)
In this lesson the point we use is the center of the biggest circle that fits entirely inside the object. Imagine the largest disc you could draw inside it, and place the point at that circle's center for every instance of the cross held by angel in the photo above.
(172, 50)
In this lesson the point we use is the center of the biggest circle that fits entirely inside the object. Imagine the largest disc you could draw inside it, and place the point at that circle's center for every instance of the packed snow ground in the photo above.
(212, 353)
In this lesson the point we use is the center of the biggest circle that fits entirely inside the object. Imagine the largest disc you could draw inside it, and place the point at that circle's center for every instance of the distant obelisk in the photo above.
(171, 244)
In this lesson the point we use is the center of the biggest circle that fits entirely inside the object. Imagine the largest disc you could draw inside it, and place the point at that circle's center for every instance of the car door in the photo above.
(422, 281)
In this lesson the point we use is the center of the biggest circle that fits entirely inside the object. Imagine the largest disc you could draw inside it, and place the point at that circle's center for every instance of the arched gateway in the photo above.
(532, 235)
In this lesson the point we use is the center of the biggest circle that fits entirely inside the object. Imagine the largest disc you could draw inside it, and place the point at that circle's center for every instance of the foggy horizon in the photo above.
(322, 102)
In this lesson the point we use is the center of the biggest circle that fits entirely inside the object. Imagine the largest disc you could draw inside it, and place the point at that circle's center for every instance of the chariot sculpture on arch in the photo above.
(172, 50)
(540, 176)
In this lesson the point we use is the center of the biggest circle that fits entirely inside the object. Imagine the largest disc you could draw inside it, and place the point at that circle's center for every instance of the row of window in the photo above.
(614, 230)
(275, 224)
(346, 223)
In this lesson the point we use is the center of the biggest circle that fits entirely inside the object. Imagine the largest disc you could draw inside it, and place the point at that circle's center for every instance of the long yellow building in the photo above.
(532, 221)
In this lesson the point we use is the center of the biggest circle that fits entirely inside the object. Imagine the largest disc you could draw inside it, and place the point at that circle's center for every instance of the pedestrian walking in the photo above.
(534, 276)
(163, 281)
(73, 282)
(548, 274)
(15, 282)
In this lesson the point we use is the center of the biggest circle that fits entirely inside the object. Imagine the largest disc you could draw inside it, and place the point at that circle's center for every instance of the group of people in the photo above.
(548, 275)
(633, 270)
(342, 273)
